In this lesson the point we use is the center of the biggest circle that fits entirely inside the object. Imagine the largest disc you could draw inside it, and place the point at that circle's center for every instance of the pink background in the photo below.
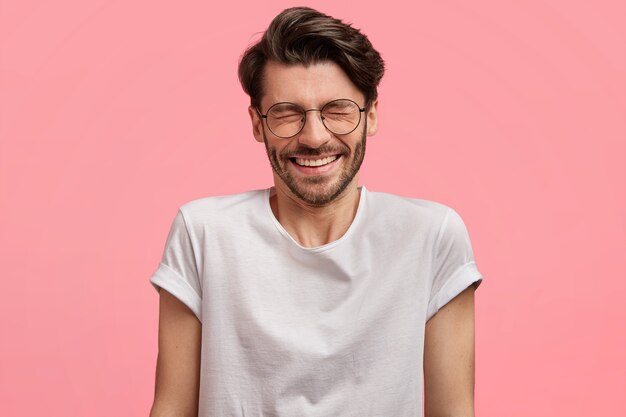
(115, 113)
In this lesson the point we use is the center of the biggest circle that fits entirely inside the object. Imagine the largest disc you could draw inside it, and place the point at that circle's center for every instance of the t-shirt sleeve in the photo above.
(453, 265)
(177, 272)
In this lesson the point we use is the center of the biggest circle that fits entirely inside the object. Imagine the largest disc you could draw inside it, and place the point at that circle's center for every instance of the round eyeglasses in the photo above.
(285, 120)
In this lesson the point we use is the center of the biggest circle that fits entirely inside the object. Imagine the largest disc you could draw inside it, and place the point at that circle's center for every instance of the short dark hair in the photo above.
(301, 35)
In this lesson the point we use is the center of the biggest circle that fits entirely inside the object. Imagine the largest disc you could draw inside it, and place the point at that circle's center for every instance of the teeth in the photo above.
(316, 162)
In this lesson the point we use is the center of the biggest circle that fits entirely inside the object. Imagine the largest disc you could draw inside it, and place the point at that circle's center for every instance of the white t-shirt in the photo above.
(335, 330)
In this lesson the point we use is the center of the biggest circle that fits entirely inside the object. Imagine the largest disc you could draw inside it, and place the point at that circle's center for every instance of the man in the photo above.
(315, 297)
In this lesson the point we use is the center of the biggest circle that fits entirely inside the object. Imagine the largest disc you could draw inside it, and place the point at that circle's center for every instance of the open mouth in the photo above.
(314, 162)
(316, 166)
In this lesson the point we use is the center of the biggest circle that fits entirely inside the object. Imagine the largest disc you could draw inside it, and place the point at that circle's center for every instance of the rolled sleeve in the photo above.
(177, 272)
(454, 266)
(168, 279)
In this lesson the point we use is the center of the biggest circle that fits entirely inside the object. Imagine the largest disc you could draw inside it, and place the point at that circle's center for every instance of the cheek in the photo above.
(278, 150)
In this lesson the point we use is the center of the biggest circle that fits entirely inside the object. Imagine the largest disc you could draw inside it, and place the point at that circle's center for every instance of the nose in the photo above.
(314, 134)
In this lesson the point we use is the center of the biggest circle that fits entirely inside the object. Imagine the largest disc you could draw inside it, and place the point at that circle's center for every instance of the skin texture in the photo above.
(303, 187)
(449, 359)
(178, 364)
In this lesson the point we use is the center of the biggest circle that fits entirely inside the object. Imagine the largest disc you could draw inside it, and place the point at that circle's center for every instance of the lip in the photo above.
(316, 170)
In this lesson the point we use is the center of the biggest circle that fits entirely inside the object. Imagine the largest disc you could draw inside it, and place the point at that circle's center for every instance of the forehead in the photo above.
(309, 86)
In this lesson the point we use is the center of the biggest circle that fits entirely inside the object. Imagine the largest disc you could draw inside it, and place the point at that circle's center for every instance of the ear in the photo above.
(257, 124)
(372, 118)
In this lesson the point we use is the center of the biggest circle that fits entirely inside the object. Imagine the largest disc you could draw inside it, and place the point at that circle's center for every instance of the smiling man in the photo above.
(315, 297)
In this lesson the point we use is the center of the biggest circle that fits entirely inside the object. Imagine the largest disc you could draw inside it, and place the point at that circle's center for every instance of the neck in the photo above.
(313, 226)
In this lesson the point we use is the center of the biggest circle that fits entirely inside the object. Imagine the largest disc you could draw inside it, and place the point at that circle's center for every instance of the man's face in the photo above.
(312, 87)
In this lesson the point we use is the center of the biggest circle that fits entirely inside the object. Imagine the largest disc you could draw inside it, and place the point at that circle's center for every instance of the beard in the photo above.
(318, 190)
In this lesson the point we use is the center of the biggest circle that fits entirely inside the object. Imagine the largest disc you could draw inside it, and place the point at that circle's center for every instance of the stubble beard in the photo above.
(314, 190)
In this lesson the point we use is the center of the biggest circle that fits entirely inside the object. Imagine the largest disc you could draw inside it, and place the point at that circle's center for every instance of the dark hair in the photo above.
(301, 35)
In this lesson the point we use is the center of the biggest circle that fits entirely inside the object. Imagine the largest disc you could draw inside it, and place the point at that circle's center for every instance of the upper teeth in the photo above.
(315, 162)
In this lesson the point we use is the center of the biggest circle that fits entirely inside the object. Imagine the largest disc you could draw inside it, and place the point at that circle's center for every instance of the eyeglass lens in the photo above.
(339, 116)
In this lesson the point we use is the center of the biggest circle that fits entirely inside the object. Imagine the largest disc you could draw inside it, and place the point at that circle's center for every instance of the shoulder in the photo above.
(407, 208)
(220, 208)
(404, 219)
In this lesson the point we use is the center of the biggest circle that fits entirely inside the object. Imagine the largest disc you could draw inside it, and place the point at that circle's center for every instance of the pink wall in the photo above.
(115, 113)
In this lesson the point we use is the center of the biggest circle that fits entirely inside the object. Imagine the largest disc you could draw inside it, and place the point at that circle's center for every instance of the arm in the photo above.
(178, 363)
(449, 359)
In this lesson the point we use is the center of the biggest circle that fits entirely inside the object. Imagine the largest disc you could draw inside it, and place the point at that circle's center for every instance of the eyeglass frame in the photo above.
(264, 116)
